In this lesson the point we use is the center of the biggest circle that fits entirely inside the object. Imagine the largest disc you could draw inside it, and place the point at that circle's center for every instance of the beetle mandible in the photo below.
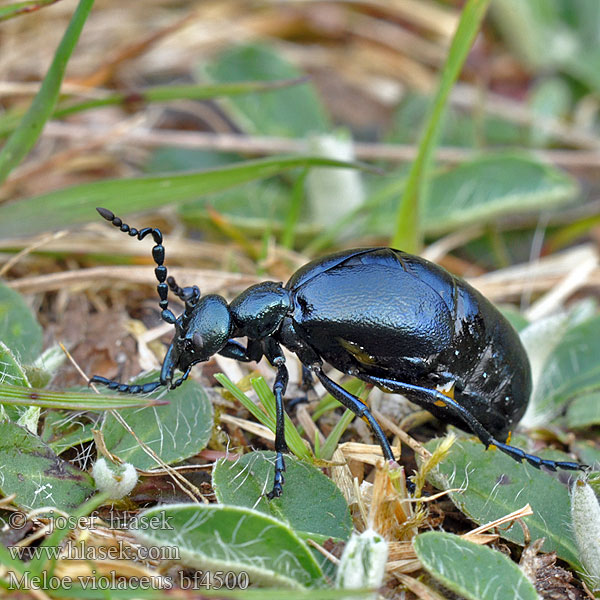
(392, 319)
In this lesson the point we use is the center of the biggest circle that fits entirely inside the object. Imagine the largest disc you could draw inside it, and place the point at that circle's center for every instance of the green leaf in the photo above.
(291, 112)
(246, 481)
(11, 372)
(19, 329)
(550, 98)
(408, 221)
(588, 453)
(78, 592)
(475, 572)
(230, 538)
(76, 204)
(484, 189)
(467, 129)
(174, 431)
(30, 127)
(584, 411)
(63, 430)
(32, 471)
(45, 366)
(527, 27)
(495, 485)
(571, 369)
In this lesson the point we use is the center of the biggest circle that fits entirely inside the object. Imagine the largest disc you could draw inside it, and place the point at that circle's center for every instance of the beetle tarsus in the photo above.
(145, 388)
(279, 478)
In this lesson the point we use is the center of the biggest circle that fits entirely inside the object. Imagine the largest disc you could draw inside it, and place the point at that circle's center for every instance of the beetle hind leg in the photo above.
(431, 397)
(536, 461)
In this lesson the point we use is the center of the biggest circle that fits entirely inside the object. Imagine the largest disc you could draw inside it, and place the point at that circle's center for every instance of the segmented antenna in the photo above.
(190, 295)
(158, 254)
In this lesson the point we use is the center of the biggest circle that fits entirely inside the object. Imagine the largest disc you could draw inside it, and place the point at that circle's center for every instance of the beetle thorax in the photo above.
(258, 311)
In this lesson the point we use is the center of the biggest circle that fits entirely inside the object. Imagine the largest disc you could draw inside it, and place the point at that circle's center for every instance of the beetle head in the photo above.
(202, 330)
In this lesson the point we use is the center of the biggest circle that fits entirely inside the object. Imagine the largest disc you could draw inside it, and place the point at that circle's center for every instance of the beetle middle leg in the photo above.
(359, 408)
(275, 356)
(306, 384)
(428, 397)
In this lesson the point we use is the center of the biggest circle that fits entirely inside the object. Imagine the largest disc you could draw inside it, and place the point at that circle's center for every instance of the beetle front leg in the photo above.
(125, 388)
(233, 349)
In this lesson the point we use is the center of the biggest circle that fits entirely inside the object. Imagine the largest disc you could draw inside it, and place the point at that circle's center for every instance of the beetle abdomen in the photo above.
(495, 369)
(380, 311)
(367, 312)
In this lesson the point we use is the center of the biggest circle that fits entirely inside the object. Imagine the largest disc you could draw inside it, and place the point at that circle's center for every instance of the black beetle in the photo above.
(394, 320)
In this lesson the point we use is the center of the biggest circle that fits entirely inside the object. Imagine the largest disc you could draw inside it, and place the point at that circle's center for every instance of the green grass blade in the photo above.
(22, 8)
(355, 387)
(408, 226)
(25, 396)
(159, 93)
(292, 437)
(77, 204)
(29, 129)
(336, 433)
(252, 408)
(295, 210)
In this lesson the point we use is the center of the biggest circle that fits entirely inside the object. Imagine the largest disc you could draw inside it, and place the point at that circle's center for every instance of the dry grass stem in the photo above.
(45, 239)
(404, 437)
(251, 426)
(209, 281)
(259, 146)
(518, 514)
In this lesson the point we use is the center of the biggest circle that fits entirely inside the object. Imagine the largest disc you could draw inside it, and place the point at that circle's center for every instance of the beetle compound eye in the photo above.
(198, 341)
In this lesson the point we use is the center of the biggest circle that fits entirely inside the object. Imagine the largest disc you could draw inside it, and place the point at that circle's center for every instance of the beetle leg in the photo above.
(144, 388)
(189, 295)
(233, 349)
(179, 381)
(426, 396)
(307, 380)
(359, 408)
(275, 356)
(306, 384)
